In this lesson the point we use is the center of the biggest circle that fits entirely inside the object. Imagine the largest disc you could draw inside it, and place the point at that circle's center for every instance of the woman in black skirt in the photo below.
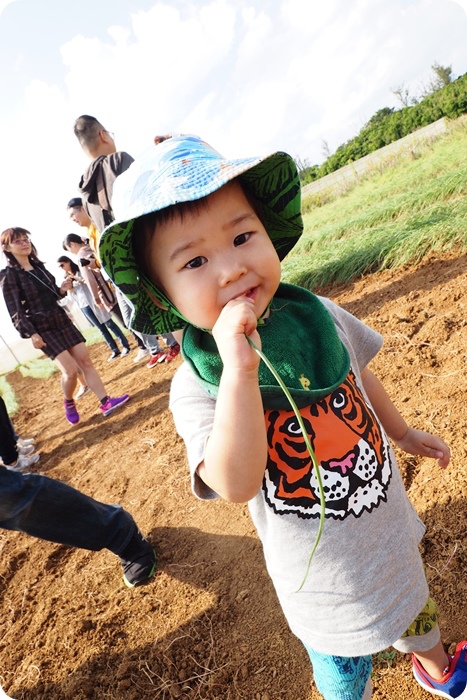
(31, 297)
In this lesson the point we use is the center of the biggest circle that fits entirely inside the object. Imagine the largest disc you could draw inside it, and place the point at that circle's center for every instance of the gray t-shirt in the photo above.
(366, 582)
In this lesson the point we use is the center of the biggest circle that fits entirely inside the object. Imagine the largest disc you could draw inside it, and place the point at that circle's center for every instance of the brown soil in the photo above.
(209, 625)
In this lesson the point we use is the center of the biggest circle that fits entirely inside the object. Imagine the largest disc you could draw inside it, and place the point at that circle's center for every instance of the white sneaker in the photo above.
(141, 354)
(24, 442)
(27, 450)
(83, 390)
(23, 462)
(125, 352)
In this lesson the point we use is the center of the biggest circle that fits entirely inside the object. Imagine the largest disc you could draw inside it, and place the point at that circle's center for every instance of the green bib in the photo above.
(300, 340)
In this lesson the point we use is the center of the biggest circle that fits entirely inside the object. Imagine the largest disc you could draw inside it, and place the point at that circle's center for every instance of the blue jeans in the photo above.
(105, 329)
(49, 509)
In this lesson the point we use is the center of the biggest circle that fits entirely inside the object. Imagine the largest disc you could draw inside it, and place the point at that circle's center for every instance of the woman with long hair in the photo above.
(100, 318)
(31, 297)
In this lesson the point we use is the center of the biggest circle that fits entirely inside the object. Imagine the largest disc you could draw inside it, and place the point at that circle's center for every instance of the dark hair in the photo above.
(11, 234)
(74, 202)
(145, 226)
(72, 238)
(66, 259)
(87, 130)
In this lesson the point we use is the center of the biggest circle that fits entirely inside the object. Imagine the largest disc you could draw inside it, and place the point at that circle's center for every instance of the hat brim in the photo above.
(272, 179)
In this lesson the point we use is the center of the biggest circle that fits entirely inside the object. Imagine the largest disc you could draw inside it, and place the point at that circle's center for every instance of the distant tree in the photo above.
(325, 150)
(379, 116)
(442, 77)
(402, 94)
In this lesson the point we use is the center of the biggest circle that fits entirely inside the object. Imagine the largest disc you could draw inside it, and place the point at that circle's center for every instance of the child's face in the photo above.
(213, 255)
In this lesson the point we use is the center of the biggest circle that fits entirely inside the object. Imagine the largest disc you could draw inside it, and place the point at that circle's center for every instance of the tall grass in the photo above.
(392, 218)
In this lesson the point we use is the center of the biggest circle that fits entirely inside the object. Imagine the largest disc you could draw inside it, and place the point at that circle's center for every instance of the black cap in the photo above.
(75, 202)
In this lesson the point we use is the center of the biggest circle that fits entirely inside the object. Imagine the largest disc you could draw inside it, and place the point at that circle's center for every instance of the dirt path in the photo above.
(209, 626)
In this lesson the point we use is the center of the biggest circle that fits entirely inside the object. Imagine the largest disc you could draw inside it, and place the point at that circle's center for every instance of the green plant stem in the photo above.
(311, 452)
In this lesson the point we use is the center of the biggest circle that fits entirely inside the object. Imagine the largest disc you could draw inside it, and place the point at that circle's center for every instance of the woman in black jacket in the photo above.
(31, 297)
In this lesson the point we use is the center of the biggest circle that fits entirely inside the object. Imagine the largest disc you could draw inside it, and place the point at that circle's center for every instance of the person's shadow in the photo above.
(230, 638)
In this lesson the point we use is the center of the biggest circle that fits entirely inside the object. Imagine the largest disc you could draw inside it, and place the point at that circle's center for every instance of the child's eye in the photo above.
(196, 262)
(241, 239)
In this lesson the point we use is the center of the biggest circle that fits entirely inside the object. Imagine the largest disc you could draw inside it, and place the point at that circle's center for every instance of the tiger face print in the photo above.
(351, 450)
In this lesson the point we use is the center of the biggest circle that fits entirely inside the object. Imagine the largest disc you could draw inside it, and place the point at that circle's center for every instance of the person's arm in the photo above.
(411, 440)
(12, 296)
(236, 452)
(90, 281)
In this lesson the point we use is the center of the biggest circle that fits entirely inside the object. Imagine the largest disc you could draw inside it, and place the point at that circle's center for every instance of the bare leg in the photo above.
(69, 372)
(81, 357)
(434, 661)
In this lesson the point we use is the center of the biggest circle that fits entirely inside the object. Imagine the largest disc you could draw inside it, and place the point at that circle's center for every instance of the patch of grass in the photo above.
(9, 396)
(392, 218)
(40, 368)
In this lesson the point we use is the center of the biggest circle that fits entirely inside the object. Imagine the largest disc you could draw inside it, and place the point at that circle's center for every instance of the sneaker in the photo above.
(25, 442)
(156, 359)
(125, 352)
(454, 683)
(28, 450)
(111, 404)
(23, 462)
(141, 354)
(174, 350)
(71, 413)
(115, 353)
(138, 561)
(83, 390)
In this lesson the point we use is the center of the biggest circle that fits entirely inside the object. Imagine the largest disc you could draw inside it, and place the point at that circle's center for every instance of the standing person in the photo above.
(14, 455)
(199, 247)
(96, 187)
(31, 298)
(79, 216)
(101, 319)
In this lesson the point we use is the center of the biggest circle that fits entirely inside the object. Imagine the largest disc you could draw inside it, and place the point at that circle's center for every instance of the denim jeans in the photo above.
(49, 509)
(105, 329)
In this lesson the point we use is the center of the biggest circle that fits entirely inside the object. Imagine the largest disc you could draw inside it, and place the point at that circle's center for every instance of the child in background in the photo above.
(197, 245)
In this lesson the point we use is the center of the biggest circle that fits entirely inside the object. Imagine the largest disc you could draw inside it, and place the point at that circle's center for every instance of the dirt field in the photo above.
(209, 625)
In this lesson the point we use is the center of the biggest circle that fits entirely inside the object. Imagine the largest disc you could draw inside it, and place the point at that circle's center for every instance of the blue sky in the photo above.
(248, 76)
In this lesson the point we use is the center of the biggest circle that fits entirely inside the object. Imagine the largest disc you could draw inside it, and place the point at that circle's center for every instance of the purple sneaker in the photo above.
(454, 683)
(71, 413)
(111, 404)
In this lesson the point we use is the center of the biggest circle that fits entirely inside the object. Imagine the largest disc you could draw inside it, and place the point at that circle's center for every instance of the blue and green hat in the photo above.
(183, 169)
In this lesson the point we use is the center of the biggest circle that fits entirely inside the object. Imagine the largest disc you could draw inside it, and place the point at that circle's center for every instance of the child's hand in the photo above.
(236, 321)
(418, 442)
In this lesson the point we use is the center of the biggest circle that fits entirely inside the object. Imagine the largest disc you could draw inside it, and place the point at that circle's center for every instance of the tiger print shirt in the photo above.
(366, 582)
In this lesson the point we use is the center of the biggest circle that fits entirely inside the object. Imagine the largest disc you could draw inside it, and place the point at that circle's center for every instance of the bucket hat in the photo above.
(181, 169)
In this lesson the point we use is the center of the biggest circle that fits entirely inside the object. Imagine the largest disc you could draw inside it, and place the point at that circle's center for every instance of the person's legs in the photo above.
(116, 330)
(54, 511)
(80, 356)
(92, 318)
(69, 370)
(341, 677)
(433, 669)
(150, 341)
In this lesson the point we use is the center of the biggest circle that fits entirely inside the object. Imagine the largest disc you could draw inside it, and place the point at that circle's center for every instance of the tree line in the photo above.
(388, 124)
